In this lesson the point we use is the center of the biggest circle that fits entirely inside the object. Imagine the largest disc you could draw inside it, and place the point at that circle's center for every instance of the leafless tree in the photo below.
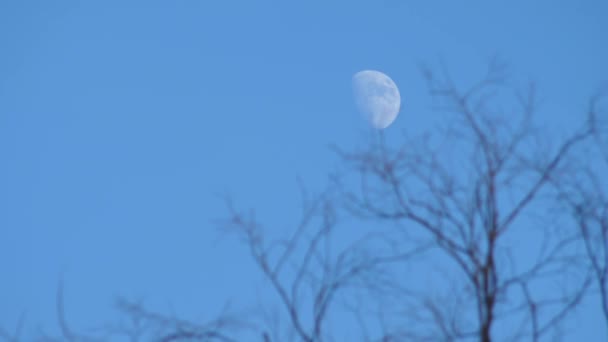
(481, 190)
(144, 325)
(306, 273)
(478, 245)
(586, 197)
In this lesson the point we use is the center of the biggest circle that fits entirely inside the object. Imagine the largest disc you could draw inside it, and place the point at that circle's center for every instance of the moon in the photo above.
(377, 97)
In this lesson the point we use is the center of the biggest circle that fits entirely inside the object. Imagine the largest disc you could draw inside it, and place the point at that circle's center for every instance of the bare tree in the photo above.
(586, 197)
(476, 246)
(144, 325)
(165, 328)
(477, 189)
(306, 273)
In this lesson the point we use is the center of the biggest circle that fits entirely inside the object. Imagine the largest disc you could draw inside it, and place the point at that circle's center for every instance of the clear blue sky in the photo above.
(119, 124)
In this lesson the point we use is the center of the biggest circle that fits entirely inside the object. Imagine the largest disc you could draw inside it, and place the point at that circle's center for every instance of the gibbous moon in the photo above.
(377, 97)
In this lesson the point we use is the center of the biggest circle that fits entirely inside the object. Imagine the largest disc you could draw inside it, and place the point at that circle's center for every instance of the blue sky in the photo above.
(121, 123)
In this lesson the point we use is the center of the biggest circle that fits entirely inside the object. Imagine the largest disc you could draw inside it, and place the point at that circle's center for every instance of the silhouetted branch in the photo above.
(309, 253)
